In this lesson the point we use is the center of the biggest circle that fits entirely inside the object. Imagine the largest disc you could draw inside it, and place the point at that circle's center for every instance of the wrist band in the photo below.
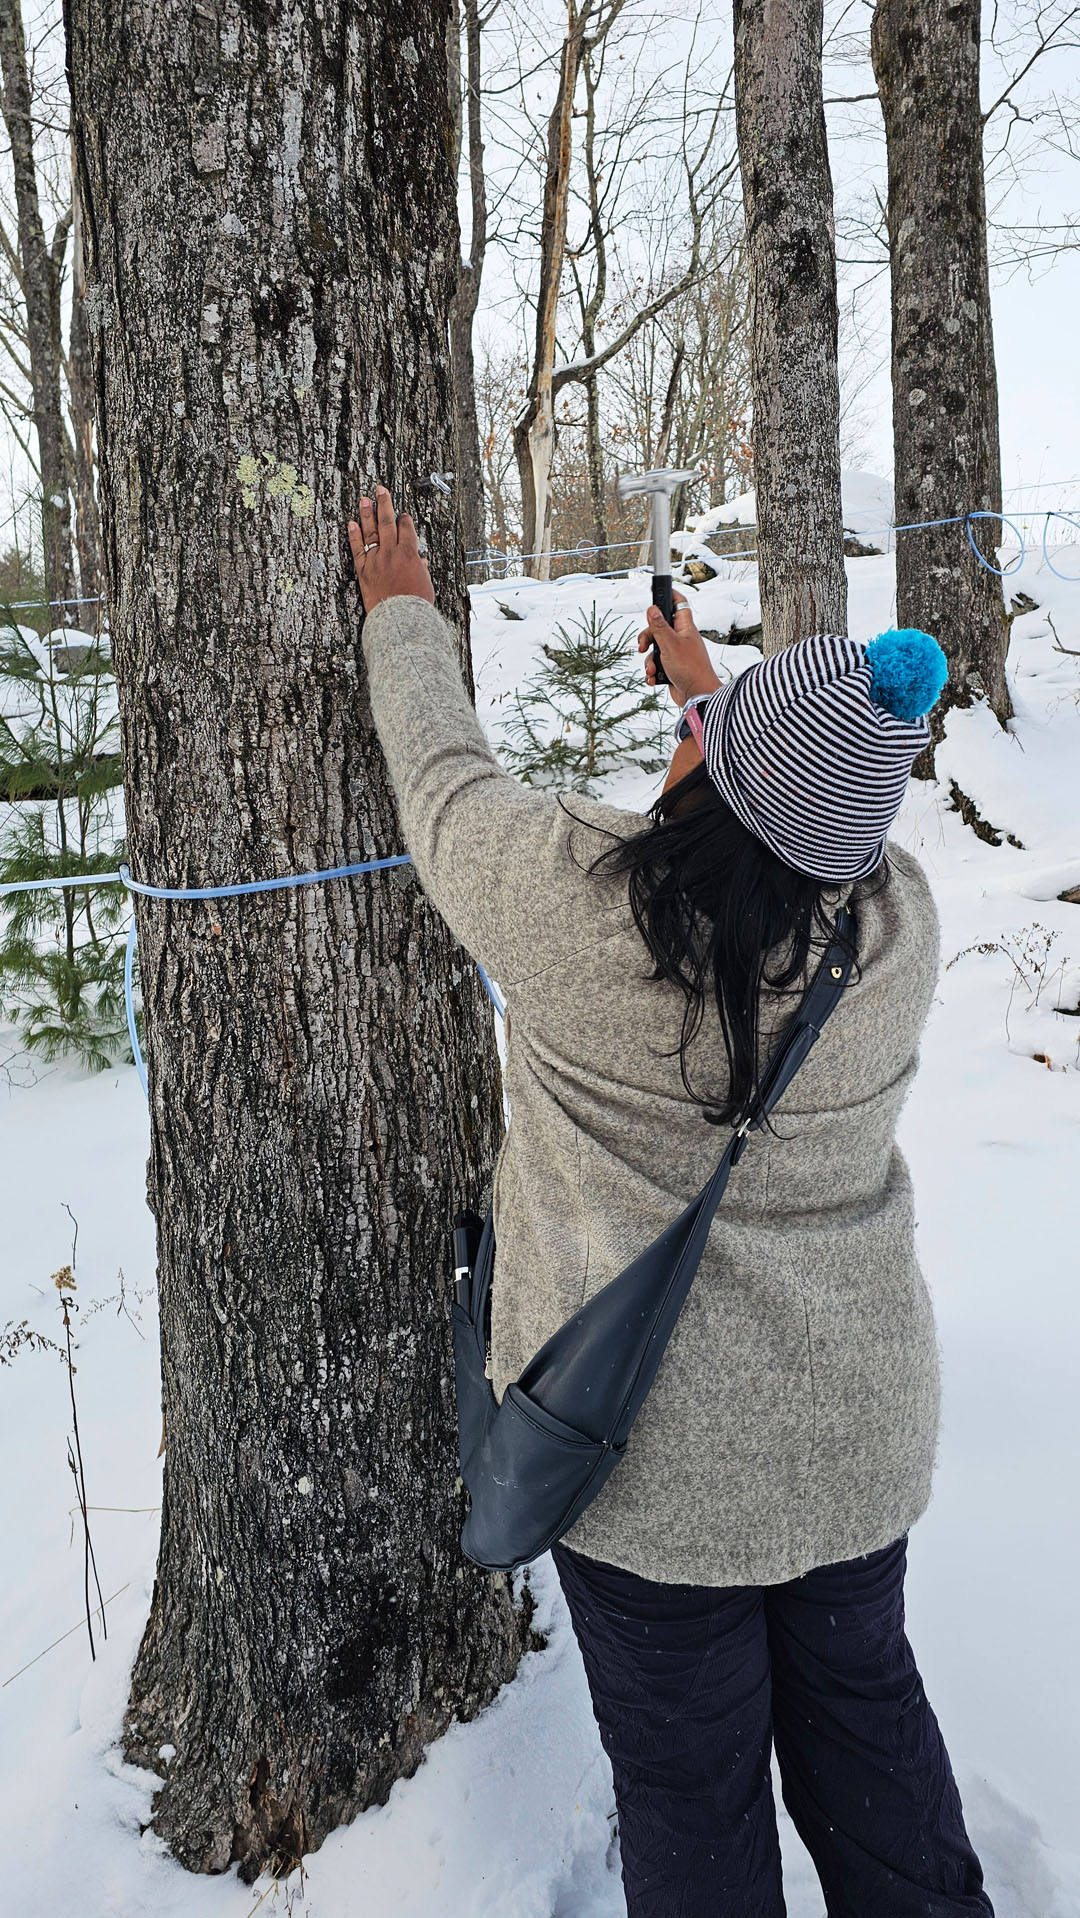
(690, 725)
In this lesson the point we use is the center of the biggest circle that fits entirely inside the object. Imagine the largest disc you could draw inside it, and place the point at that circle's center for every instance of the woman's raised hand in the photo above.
(682, 652)
(386, 553)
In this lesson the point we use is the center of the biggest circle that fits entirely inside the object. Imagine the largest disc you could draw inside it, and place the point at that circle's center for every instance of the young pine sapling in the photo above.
(61, 953)
(587, 711)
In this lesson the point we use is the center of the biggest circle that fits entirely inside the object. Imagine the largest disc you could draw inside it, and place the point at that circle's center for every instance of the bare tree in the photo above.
(678, 389)
(945, 416)
(1030, 122)
(710, 408)
(501, 380)
(608, 154)
(680, 393)
(270, 255)
(591, 301)
(534, 432)
(703, 170)
(80, 382)
(787, 191)
(37, 263)
(468, 23)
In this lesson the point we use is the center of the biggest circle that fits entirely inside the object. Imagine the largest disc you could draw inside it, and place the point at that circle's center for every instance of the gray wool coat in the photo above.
(794, 1417)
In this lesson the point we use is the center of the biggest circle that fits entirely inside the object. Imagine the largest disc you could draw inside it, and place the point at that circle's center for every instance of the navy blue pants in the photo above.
(692, 1684)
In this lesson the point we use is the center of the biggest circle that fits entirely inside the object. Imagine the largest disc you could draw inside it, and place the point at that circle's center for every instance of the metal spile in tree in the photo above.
(270, 254)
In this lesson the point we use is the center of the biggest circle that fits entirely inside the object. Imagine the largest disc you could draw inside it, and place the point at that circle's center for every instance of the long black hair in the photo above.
(716, 907)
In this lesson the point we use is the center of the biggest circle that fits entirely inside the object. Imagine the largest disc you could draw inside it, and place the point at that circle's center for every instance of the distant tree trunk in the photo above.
(534, 429)
(594, 459)
(945, 415)
(662, 449)
(469, 467)
(667, 426)
(787, 194)
(714, 423)
(592, 307)
(81, 390)
(271, 248)
(40, 268)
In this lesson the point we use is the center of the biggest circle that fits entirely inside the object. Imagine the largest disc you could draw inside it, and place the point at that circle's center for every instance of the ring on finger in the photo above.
(370, 545)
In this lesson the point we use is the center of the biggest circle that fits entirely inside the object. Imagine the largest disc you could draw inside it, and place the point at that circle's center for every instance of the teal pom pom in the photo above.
(907, 672)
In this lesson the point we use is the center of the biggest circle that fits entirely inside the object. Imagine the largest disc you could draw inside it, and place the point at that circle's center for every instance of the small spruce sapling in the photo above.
(61, 953)
(581, 716)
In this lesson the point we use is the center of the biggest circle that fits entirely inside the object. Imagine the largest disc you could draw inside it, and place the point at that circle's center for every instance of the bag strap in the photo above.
(818, 1003)
(821, 997)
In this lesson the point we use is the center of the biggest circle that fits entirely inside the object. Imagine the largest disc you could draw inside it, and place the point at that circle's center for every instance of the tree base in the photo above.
(220, 1806)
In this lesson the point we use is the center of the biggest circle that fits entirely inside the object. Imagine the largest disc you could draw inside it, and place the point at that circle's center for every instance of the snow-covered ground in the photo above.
(510, 1815)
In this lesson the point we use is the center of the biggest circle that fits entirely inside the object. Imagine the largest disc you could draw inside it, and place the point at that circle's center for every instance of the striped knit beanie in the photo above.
(812, 748)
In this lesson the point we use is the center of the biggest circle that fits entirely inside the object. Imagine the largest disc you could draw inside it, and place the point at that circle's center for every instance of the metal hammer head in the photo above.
(664, 479)
(659, 487)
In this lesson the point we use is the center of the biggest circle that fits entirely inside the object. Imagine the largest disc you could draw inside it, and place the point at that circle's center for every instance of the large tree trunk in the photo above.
(791, 256)
(945, 417)
(271, 247)
(468, 126)
(39, 268)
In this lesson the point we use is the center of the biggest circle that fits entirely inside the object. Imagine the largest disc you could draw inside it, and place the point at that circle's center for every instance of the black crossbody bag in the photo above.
(532, 1462)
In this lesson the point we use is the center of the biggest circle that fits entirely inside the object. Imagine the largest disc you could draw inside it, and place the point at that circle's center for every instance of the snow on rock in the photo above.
(867, 505)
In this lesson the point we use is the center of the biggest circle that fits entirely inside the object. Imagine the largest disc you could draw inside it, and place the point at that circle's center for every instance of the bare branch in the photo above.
(1047, 43)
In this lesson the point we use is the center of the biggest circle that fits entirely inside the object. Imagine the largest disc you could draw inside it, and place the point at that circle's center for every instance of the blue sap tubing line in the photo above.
(54, 885)
(966, 520)
(260, 885)
(1047, 561)
(123, 878)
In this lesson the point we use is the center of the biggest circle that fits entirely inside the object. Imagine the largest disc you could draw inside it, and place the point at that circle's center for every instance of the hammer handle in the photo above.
(663, 596)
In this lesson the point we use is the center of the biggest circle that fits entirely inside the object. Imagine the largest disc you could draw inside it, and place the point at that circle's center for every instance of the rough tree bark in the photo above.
(944, 382)
(39, 271)
(468, 128)
(791, 255)
(271, 246)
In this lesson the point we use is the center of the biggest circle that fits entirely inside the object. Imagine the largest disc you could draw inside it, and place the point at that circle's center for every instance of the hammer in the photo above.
(659, 485)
